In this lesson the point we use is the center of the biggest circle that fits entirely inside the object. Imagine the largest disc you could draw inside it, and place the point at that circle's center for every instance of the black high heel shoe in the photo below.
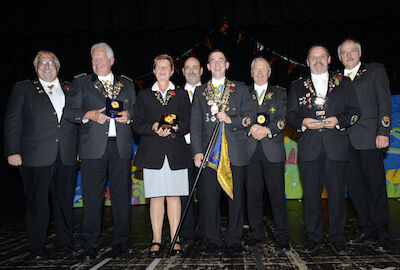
(177, 252)
(156, 253)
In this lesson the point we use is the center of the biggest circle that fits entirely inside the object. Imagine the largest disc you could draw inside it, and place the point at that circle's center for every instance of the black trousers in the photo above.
(187, 232)
(211, 191)
(59, 180)
(315, 174)
(261, 171)
(94, 174)
(367, 189)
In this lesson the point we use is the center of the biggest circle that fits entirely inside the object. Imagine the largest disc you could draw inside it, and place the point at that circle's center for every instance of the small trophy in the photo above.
(167, 121)
(113, 107)
(320, 112)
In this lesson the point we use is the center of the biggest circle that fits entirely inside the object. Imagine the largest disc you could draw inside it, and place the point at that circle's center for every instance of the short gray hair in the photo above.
(109, 51)
(40, 53)
(358, 44)
(260, 58)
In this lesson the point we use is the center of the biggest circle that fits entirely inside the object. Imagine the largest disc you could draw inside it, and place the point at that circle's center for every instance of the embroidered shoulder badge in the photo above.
(246, 122)
(281, 124)
(353, 119)
(386, 121)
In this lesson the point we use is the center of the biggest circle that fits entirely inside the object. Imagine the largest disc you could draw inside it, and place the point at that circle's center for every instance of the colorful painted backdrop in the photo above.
(293, 185)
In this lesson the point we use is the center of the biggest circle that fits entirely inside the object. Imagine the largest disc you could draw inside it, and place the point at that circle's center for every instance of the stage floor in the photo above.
(14, 255)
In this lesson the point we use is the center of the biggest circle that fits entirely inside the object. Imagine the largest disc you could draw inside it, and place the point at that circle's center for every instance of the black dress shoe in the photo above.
(122, 248)
(362, 239)
(283, 245)
(235, 249)
(210, 249)
(67, 250)
(36, 255)
(177, 252)
(90, 254)
(252, 242)
(155, 253)
(310, 247)
(339, 247)
(382, 245)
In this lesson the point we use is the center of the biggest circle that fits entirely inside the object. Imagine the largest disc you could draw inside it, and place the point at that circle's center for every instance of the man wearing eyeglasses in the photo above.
(44, 146)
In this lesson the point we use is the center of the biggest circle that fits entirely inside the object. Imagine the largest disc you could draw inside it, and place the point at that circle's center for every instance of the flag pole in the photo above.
(209, 149)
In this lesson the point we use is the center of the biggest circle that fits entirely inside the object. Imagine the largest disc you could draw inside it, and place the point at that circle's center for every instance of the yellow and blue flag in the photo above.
(219, 161)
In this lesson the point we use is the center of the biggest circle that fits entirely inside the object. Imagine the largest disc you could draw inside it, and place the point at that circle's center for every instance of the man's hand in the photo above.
(381, 141)
(308, 123)
(198, 158)
(123, 117)
(332, 122)
(15, 160)
(97, 116)
(223, 117)
(259, 132)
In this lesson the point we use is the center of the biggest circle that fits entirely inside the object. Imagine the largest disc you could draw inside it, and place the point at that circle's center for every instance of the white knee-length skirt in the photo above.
(165, 182)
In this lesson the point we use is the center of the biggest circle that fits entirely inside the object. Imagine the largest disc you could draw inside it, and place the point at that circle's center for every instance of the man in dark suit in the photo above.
(206, 111)
(366, 172)
(267, 156)
(321, 107)
(105, 146)
(44, 144)
(192, 70)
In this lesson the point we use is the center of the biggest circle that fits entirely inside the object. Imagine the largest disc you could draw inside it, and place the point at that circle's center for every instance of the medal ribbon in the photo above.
(191, 94)
(261, 97)
(218, 90)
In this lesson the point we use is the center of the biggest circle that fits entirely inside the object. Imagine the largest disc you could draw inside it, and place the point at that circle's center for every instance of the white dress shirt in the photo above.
(190, 89)
(56, 97)
(259, 89)
(320, 83)
(352, 71)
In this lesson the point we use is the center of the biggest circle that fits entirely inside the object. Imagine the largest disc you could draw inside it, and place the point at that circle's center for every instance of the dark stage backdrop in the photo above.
(139, 30)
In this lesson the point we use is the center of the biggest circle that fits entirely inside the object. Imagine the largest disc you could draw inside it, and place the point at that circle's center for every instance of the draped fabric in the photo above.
(219, 161)
(97, 16)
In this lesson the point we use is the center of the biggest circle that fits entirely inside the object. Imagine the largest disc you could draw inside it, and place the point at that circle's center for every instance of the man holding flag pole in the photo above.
(228, 102)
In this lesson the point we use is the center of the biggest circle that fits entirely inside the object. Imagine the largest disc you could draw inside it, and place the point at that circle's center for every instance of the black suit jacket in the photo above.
(341, 101)
(274, 105)
(31, 127)
(87, 94)
(372, 88)
(201, 128)
(153, 148)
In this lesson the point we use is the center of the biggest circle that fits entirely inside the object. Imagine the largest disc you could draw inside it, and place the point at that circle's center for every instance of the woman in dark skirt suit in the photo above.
(162, 152)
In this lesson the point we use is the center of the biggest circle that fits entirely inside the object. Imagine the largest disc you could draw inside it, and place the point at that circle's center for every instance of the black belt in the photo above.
(112, 138)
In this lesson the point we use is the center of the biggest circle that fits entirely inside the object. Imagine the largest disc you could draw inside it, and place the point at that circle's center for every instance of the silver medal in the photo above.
(214, 109)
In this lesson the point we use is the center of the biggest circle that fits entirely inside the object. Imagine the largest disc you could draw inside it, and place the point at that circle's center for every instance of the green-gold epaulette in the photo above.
(298, 79)
(27, 80)
(126, 77)
(79, 75)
